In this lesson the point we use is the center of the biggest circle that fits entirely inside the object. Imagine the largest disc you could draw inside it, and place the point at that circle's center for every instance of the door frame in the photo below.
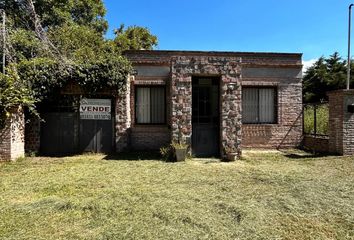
(216, 78)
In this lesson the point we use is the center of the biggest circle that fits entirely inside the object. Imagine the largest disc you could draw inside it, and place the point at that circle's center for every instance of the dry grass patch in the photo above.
(269, 195)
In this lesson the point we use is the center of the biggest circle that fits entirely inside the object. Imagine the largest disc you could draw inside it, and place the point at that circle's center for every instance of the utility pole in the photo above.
(348, 62)
(3, 40)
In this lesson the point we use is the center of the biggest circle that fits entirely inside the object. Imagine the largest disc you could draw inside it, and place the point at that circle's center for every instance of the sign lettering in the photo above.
(96, 109)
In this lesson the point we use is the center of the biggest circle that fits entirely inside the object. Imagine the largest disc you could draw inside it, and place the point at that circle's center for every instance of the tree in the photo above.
(326, 74)
(134, 38)
(52, 42)
(54, 13)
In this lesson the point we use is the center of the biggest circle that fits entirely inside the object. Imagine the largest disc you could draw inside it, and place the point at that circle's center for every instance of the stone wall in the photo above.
(279, 70)
(123, 118)
(229, 69)
(12, 136)
(341, 122)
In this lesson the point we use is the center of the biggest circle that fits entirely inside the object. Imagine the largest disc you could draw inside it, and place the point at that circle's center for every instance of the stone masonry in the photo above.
(229, 69)
(123, 119)
(341, 122)
(281, 71)
(175, 69)
(12, 136)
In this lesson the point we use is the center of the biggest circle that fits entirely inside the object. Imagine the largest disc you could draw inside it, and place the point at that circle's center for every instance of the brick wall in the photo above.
(149, 137)
(248, 58)
(12, 136)
(318, 144)
(287, 132)
(5, 141)
(279, 70)
(32, 135)
(341, 122)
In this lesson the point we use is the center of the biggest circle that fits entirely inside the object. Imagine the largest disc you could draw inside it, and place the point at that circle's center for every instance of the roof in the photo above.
(163, 57)
(224, 53)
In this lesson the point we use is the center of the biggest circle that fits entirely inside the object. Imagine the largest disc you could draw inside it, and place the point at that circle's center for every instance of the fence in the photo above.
(316, 119)
(316, 124)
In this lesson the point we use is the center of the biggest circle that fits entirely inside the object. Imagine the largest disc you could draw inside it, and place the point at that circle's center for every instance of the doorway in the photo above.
(205, 117)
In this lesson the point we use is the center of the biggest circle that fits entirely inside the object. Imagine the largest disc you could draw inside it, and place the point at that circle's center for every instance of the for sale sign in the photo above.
(95, 109)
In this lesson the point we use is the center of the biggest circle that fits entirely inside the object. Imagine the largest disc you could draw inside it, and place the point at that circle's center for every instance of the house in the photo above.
(218, 102)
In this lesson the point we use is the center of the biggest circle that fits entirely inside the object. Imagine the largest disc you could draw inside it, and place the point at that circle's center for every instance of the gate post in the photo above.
(341, 122)
(12, 143)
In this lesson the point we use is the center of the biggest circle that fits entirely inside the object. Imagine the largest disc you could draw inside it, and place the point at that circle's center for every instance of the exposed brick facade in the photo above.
(341, 122)
(149, 137)
(281, 71)
(144, 136)
(175, 69)
(32, 135)
(319, 144)
(12, 136)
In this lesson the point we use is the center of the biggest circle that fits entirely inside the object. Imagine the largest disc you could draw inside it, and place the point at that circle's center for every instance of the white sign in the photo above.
(96, 109)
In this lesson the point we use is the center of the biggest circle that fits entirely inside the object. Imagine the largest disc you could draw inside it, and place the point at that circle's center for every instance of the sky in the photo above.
(313, 27)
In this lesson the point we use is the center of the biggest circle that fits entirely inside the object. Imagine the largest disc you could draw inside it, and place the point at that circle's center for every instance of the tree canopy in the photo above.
(134, 38)
(51, 42)
(326, 74)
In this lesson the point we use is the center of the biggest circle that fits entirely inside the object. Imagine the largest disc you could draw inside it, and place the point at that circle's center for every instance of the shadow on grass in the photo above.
(135, 156)
(307, 155)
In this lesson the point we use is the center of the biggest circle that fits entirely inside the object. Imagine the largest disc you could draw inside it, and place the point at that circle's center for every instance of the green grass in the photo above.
(264, 196)
(322, 119)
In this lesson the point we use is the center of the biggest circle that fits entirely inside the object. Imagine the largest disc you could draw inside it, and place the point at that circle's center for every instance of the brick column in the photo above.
(12, 144)
(341, 122)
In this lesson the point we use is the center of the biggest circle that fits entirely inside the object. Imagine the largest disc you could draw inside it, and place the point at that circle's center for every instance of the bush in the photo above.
(13, 93)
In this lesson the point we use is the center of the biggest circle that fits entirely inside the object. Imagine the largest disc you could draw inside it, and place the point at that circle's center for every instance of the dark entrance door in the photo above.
(96, 136)
(63, 132)
(58, 133)
(205, 117)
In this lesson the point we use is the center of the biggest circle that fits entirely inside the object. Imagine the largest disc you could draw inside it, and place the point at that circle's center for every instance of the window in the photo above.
(259, 105)
(150, 105)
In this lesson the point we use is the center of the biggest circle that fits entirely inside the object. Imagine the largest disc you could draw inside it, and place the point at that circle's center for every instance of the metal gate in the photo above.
(205, 117)
(59, 133)
(96, 136)
(63, 132)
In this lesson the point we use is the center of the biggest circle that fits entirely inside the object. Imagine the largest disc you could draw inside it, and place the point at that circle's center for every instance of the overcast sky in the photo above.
(311, 27)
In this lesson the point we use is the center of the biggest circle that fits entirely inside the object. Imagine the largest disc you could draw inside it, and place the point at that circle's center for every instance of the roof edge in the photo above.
(187, 52)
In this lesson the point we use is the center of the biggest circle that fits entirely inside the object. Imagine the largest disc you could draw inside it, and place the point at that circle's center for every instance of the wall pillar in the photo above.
(341, 122)
(123, 118)
(12, 143)
(229, 71)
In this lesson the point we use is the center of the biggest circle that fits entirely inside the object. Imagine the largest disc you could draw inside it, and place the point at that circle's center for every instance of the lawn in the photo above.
(270, 195)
